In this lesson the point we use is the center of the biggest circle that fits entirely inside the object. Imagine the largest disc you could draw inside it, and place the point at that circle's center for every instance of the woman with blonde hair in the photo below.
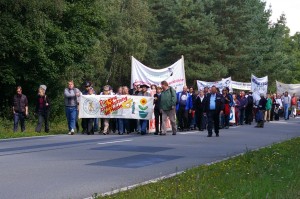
(42, 109)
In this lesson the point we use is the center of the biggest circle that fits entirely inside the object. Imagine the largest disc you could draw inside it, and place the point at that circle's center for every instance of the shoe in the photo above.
(155, 133)
(217, 135)
(104, 133)
(174, 133)
(162, 134)
(71, 132)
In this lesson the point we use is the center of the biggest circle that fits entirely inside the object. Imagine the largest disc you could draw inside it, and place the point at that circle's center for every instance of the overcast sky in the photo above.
(291, 8)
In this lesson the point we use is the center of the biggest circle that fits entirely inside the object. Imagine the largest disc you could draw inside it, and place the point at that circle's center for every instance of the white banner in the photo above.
(225, 82)
(259, 86)
(241, 85)
(115, 106)
(174, 74)
(290, 88)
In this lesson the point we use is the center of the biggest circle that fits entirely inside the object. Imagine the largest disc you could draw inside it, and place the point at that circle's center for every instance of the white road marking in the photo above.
(278, 122)
(187, 133)
(117, 141)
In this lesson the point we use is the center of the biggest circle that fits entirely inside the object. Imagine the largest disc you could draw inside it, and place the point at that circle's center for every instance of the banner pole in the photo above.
(182, 62)
(131, 80)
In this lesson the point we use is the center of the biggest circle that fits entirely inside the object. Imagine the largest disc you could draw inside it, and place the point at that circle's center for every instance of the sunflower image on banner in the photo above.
(143, 108)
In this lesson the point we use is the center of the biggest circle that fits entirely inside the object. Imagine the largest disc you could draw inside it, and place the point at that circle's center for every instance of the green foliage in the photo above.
(49, 42)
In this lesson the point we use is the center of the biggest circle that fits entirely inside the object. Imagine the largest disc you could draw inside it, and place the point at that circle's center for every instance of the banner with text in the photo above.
(115, 106)
(291, 88)
(259, 86)
(174, 74)
(225, 82)
(241, 85)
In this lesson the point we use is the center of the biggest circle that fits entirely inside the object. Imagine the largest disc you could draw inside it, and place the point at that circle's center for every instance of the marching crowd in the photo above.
(208, 109)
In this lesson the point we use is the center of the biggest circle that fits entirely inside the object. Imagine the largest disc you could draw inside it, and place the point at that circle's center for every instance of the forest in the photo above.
(52, 41)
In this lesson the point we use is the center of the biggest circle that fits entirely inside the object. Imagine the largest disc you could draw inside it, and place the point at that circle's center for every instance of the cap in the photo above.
(87, 84)
(144, 86)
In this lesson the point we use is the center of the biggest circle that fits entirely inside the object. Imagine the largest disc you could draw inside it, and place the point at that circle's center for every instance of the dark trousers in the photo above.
(43, 117)
(19, 117)
(213, 120)
(84, 125)
(242, 116)
(248, 115)
(90, 125)
(158, 120)
(226, 120)
(200, 120)
(182, 116)
(132, 123)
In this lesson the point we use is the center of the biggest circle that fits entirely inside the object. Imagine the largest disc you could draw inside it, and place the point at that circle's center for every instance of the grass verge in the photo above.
(6, 127)
(272, 172)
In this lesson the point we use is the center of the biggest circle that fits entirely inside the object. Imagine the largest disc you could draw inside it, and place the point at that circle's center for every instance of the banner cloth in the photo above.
(174, 74)
(259, 86)
(291, 88)
(115, 106)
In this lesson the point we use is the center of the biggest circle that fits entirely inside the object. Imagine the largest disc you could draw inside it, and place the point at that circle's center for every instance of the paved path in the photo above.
(77, 166)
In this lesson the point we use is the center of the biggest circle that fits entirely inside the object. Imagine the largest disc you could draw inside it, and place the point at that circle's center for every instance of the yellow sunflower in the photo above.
(143, 101)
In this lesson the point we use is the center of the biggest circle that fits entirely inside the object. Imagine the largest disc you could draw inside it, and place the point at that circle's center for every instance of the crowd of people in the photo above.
(208, 109)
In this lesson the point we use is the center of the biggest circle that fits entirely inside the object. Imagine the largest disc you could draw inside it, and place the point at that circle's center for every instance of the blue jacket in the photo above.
(189, 101)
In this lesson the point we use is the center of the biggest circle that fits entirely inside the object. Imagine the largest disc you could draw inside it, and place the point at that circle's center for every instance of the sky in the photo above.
(291, 9)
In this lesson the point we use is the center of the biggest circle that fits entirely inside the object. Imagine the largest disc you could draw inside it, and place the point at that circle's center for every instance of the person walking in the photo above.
(144, 123)
(199, 110)
(227, 105)
(213, 107)
(105, 121)
(123, 124)
(90, 122)
(268, 109)
(236, 104)
(183, 108)
(261, 111)
(286, 101)
(20, 109)
(243, 105)
(249, 109)
(294, 105)
(70, 94)
(167, 107)
(157, 113)
(42, 109)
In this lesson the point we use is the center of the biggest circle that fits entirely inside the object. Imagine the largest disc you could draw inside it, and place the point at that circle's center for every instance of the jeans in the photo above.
(122, 125)
(43, 116)
(286, 111)
(71, 113)
(144, 124)
(96, 124)
(19, 117)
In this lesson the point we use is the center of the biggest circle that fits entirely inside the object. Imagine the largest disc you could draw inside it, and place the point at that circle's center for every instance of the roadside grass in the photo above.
(6, 129)
(272, 172)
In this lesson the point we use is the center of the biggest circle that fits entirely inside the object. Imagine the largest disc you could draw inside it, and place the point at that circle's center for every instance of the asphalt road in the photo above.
(64, 167)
